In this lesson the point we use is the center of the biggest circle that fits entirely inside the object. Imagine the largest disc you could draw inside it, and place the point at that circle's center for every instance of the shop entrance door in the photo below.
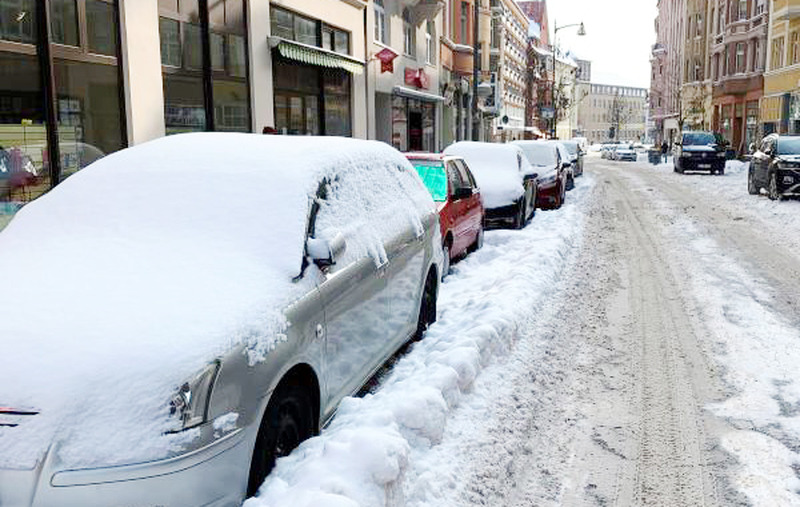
(415, 131)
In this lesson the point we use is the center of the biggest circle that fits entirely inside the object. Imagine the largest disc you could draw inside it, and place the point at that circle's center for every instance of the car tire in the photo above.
(570, 183)
(721, 171)
(478, 243)
(287, 422)
(772, 190)
(427, 306)
(562, 193)
(445, 259)
(752, 188)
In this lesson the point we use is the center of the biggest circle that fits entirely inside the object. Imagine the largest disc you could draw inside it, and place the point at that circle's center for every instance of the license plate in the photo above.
(788, 180)
(704, 166)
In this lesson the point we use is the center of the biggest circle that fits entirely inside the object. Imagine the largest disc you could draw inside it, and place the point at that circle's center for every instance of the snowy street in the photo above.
(636, 347)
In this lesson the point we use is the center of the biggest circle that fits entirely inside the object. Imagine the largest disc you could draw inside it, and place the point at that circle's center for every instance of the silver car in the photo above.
(191, 309)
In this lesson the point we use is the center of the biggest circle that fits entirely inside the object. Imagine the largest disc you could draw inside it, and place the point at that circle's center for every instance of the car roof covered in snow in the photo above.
(498, 170)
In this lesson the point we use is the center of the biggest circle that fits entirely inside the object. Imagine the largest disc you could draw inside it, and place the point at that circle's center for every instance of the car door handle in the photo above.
(320, 332)
(381, 270)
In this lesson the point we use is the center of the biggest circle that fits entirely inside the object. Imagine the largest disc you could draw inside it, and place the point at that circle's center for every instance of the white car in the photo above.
(188, 310)
(507, 181)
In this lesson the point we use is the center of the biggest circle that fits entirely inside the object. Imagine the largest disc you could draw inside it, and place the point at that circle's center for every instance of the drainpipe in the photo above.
(476, 64)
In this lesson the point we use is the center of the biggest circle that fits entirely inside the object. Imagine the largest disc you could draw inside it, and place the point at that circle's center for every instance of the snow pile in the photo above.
(383, 449)
(498, 170)
(136, 272)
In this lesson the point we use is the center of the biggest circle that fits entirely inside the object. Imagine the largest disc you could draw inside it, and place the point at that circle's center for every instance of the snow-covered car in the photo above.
(458, 200)
(187, 310)
(507, 181)
(549, 162)
(624, 152)
(775, 166)
(576, 156)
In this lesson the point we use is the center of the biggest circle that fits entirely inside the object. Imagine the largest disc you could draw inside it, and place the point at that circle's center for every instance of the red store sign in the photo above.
(418, 78)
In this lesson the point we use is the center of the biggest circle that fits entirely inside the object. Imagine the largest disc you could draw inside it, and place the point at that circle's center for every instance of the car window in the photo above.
(434, 176)
(466, 175)
(455, 178)
(788, 145)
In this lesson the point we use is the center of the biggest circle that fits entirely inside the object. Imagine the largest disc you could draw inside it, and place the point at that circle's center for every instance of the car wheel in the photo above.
(570, 183)
(478, 244)
(752, 188)
(721, 171)
(287, 422)
(773, 187)
(445, 260)
(427, 307)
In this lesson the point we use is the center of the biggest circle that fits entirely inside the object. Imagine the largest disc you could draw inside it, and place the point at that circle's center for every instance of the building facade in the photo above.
(666, 64)
(780, 105)
(615, 113)
(507, 66)
(738, 60)
(696, 90)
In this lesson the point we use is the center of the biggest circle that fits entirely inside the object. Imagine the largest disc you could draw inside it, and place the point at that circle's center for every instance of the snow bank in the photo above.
(378, 445)
(134, 273)
(498, 170)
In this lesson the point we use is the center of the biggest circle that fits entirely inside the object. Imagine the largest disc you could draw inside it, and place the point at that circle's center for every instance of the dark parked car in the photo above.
(700, 151)
(507, 181)
(458, 200)
(776, 167)
(553, 170)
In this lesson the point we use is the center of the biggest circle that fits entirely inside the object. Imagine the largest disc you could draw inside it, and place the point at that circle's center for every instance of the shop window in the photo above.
(188, 107)
(18, 21)
(64, 22)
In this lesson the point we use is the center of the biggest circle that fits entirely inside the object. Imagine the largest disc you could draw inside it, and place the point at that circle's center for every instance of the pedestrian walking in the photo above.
(664, 149)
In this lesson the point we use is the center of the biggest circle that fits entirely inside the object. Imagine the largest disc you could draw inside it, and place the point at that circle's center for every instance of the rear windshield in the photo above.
(539, 154)
(699, 139)
(789, 146)
(434, 176)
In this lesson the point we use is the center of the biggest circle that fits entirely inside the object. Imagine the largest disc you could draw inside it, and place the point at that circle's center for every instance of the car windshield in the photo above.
(789, 146)
(434, 176)
(539, 154)
(699, 139)
(572, 148)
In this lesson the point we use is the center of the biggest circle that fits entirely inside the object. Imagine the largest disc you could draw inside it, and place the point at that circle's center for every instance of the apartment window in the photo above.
(777, 53)
(794, 39)
(409, 39)
(758, 59)
(380, 22)
(64, 22)
(721, 26)
(742, 9)
(430, 42)
(698, 25)
(760, 7)
(464, 23)
(740, 57)
(698, 71)
(335, 40)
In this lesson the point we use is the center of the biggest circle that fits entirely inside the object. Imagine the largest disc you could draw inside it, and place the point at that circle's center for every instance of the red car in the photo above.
(458, 198)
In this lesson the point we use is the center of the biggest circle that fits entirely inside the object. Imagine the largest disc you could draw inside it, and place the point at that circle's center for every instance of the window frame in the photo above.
(409, 34)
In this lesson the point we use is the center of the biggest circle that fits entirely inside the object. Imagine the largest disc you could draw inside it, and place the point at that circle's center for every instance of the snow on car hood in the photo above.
(134, 273)
(496, 168)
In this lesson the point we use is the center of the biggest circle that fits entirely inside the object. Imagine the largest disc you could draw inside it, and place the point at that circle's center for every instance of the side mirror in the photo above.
(326, 252)
(566, 165)
(752, 148)
(530, 176)
(462, 193)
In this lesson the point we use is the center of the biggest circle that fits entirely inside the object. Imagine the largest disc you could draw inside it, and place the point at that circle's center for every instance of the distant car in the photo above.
(576, 153)
(458, 199)
(507, 181)
(776, 167)
(552, 168)
(607, 151)
(625, 152)
(219, 294)
(699, 151)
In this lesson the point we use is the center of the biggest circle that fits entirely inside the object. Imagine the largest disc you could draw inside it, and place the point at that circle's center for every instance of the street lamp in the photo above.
(581, 32)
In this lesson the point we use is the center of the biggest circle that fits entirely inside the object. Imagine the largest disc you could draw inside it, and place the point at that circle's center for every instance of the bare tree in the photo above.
(619, 114)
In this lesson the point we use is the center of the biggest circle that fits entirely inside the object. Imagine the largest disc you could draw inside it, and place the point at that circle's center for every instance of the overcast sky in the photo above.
(619, 34)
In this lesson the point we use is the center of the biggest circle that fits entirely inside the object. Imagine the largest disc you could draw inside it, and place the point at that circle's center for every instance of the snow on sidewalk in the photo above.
(375, 443)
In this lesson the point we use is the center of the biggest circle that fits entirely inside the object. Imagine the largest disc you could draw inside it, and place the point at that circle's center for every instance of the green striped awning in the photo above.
(316, 56)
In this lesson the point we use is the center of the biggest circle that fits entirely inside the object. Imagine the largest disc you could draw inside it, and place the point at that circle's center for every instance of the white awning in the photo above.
(416, 94)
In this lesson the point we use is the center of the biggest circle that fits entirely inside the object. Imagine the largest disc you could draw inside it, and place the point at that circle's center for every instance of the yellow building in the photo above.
(780, 106)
